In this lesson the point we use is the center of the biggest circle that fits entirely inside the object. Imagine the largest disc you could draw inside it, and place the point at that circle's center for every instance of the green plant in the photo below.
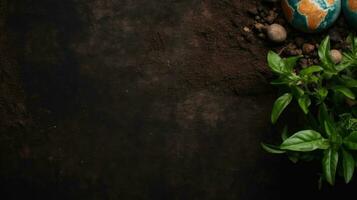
(325, 94)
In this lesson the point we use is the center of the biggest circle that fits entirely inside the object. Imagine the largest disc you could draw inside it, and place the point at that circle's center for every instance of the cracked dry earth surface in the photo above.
(139, 99)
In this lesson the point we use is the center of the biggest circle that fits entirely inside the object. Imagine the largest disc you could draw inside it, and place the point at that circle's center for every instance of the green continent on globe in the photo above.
(311, 15)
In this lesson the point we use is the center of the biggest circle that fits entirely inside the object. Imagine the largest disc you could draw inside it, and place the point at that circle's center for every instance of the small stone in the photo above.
(336, 56)
(246, 29)
(264, 13)
(261, 35)
(259, 26)
(248, 36)
(298, 52)
(293, 52)
(290, 49)
(307, 48)
(253, 10)
(276, 33)
(271, 17)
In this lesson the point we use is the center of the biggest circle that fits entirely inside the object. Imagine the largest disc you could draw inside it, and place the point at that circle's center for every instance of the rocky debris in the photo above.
(265, 25)
(247, 34)
(270, 26)
(292, 50)
(276, 33)
(270, 18)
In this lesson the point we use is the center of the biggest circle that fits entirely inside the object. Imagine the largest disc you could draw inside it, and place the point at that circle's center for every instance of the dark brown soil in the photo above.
(139, 99)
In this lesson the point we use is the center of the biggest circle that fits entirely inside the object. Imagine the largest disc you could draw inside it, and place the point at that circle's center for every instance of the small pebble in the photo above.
(261, 35)
(293, 52)
(298, 52)
(271, 17)
(290, 49)
(276, 33)
(246, 29)
(307, 48)
(259, 26)
(253, 11)
(336, 56)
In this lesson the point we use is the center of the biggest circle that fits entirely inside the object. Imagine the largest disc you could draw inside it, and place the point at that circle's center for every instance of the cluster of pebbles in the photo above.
(269, 24)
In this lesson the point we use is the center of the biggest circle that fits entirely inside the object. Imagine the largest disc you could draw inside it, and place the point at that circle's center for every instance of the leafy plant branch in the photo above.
(326, 93)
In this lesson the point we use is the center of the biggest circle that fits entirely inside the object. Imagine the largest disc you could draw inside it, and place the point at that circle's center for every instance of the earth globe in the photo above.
(350, 10)
(311, 15)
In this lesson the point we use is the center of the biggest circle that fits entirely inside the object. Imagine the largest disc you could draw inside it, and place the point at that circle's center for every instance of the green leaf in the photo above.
(323, 114)
(272, 149)
(324, 54)
(280, 81)
(351, 141)
(319, 183)
(321, 94)
(307, 140)
(329, 129)
(293, 157)
(284, 134)
(304, 103)
(286, 79)
(348, 165)
(344, 64)
(329, 165)
(351, 39)
(348, 81)
(297, 91)
(345, 91)
(279, 106)
(276, 63)
(348, 122)
(290, 62)
(310, 70)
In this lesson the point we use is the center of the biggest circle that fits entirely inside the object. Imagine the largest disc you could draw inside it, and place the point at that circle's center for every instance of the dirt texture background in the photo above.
(139, 99)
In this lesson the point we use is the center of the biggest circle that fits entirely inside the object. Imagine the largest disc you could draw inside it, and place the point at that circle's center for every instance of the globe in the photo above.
(350, 10)
(312, 15)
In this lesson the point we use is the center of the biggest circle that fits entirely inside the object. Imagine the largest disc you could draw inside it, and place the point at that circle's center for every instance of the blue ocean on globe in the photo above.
(311, 15)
